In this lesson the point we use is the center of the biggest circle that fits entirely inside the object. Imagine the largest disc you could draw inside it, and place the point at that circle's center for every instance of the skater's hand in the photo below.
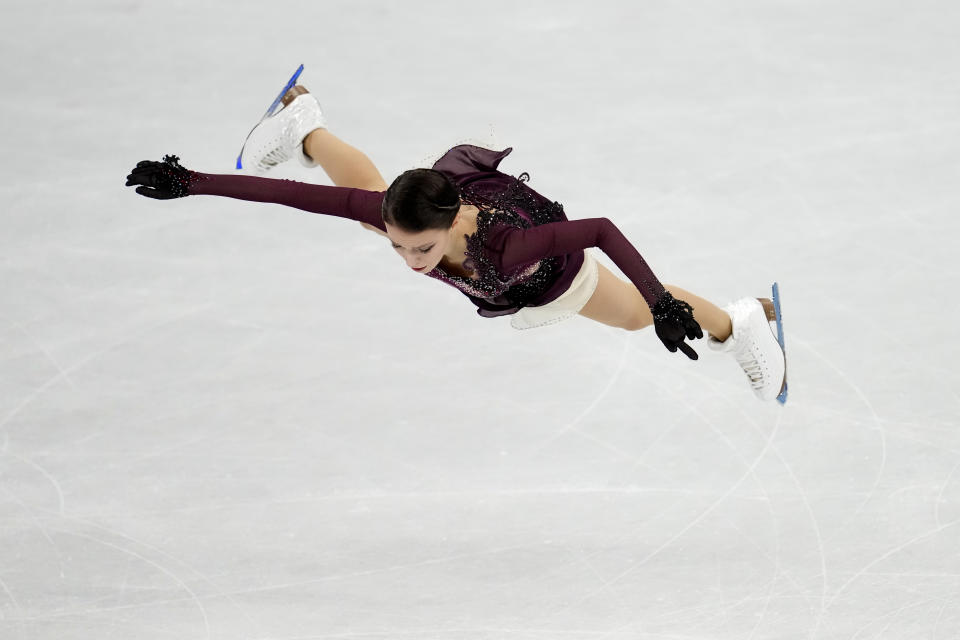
(161, 180)
(673, 321)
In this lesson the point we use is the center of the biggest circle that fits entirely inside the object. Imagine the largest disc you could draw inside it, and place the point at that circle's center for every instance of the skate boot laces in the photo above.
(754, 346)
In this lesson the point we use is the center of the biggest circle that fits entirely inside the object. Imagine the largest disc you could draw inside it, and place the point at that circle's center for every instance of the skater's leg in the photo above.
(299, 129)
(618, 303)
(347, 166)
(712, 318)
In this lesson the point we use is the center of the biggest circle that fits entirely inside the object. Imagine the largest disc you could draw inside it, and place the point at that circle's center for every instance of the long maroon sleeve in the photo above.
(343, 202)
(522, 246)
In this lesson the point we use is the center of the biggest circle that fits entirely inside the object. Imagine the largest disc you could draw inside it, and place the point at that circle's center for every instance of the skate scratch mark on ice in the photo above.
(571, 426)
(808, 508)
(193, 596)
(819, 537)
(128, 461)
(893, 617)
(122, 592)
(803, 496)
(39, 524)
(710, 611)
(890, 617)
(353, 450)
(906, 489)
(765, 600)
(380, 570)
(776, 561)
(663, 433)
(736, 485)
(472, 632)
(21, 618)
(891, 552)
(796, 340)
(809, 153)
(586, 560)
(64, 373)
(684, 613)
(46, 353)
(900, 575)
(46, 474)
(276, 587)
(750, 472)
(940, 447)
(586, 530)
(777, 575)
(772, 582)
(936, 625)
(750, 599)
(419, 495)
(243, 610)
(943, 489)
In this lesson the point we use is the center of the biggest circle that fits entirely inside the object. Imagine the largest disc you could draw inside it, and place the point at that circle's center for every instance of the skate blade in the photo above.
(290, 83)
(782, 398)
(772, 310)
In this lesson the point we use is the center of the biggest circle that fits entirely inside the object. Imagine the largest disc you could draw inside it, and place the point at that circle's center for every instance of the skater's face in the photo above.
(422, 250)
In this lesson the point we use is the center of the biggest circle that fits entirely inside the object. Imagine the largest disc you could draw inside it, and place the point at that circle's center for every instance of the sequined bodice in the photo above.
(515, 287)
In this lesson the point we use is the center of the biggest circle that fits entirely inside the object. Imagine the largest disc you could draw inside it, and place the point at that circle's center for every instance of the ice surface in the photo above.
(222, 420)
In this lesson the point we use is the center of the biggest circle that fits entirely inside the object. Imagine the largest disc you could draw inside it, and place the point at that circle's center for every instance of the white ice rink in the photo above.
(231, 421)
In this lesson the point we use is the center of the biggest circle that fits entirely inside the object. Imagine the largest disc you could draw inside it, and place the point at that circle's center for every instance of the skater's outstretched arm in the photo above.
(522, 246)
(167, 179)
(672, 318)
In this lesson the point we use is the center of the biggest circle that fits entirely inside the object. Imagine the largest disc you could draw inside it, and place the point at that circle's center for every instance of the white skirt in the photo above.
(567, 305)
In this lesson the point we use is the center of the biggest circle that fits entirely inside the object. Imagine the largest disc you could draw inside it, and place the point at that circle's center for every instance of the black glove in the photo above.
(161, 180)
(673, 321)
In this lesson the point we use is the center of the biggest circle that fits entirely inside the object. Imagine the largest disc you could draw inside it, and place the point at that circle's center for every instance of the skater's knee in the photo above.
(639, 320)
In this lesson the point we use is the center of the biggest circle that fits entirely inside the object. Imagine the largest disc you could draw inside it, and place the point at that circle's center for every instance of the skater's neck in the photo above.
(464, 225)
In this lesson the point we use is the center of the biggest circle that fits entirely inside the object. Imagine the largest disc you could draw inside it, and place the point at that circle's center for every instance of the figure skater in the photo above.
(510, 250)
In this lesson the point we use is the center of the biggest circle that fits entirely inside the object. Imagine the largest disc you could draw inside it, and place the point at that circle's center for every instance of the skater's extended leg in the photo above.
(299, 130)
(618, 303)
(347, 166)
(741, 329)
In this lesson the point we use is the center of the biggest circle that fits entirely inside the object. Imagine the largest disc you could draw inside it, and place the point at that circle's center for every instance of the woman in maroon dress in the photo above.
(510, 250)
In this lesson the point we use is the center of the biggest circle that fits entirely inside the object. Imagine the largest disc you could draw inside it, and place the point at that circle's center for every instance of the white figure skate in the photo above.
(279, 137)
(756, 348)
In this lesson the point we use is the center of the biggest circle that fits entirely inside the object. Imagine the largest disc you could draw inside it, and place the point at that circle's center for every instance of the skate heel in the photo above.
(293, 93)
(769, 308)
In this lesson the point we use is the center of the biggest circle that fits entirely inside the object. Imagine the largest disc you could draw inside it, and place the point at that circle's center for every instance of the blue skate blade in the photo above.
(292, 81)
(782, 398)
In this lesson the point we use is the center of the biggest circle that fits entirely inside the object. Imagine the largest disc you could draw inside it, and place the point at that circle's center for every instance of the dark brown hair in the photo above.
(421, 199)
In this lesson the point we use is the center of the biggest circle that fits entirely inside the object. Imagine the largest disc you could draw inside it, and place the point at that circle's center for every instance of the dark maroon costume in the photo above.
(525, 251)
